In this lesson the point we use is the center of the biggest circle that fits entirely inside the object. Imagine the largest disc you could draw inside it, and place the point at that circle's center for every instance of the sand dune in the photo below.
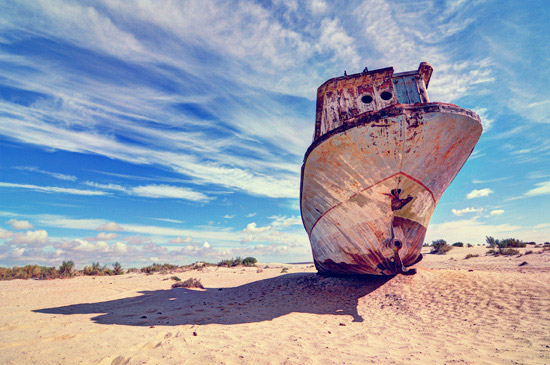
(482, 310)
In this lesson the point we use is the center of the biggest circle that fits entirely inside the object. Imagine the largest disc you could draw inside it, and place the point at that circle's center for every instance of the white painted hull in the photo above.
(369, 187)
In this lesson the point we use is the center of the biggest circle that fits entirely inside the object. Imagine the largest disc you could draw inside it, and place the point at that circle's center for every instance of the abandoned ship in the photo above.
(381, 158)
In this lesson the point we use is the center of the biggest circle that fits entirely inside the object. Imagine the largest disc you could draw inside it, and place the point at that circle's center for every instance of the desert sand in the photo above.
(484, 310)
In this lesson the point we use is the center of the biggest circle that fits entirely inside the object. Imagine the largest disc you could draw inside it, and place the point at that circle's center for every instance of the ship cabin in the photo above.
(342, 99)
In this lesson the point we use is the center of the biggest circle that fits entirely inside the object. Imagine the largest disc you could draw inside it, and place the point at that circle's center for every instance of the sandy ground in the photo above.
(483, 310)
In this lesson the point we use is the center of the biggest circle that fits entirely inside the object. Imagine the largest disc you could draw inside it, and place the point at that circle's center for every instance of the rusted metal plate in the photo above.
(371, 183)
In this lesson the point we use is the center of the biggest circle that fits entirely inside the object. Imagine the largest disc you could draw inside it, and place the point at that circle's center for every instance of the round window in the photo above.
(367, 99)
(386, 95)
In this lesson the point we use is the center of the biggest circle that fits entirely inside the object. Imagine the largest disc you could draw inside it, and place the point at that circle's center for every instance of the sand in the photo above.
(482, 310)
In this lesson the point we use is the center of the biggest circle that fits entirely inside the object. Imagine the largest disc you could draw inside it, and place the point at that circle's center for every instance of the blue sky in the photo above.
(153, 131)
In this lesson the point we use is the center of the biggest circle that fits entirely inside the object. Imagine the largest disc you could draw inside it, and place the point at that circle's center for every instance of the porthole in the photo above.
(386, 95)
(367, 99)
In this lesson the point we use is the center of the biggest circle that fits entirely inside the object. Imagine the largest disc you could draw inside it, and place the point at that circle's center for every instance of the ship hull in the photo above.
(370, 186)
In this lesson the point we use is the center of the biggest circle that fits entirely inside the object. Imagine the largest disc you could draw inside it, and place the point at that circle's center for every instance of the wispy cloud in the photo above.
(460, 212)
(53, 174)
(169, 220)
(52, 189)
(155, 191)
(542, 188)
(477, 181)
(115, 187)
(497, 212)
(110, 226)
(167, 191)
(181, 239)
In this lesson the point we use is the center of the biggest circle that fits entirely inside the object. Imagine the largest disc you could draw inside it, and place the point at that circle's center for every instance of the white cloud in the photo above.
(85, 246)
(4, 233)
(111, 226)
(120, 248)
(460, 212)
(168, 191)
(54, 174)
(252, 228)
(106, 186)
(206, 245)
(227, 216)
(476, 181)
(30, 237)
(52, 189)
(317, 6)
(478, 193)
(102, 236)
(284, 221)
(542, 188)
(181, 239)
(250, 215)
(486, 121)
(16, 224)
(167, 220)
(497, 212)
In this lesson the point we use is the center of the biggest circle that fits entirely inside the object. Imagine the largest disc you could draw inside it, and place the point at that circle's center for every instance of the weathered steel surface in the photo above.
(372, 178)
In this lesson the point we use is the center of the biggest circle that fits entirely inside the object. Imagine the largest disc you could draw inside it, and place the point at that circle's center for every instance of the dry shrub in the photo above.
(189, 283)
(440, 247)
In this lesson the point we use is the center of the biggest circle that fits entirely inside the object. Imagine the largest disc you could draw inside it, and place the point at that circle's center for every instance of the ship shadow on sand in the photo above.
(258, 301)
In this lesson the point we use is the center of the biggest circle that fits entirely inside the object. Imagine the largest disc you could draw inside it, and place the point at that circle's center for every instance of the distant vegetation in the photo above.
(248, 261)
(189, 283)
(97, 270)
(67, 270)
(440, 247)
(458, 244)
(503, 247)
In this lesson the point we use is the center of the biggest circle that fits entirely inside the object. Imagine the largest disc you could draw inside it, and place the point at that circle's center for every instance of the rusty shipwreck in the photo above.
(382, 156)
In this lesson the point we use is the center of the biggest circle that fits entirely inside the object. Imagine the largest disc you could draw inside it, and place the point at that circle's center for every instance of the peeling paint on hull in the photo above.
(370, 185)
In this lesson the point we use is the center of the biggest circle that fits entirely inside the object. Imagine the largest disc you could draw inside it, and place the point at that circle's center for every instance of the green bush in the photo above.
(250, 261)
(509, 252)
(158, 267)
(28, 272)
(97, 270)
(503, 247)
(471, 255)
(440, 247)
(458, 244)
(66, 269)
(117, 268)
(234, 262)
